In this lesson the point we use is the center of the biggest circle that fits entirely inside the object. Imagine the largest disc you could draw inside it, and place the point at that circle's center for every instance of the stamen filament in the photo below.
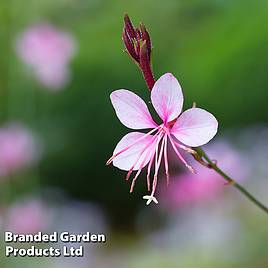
(166, 159)
(149, 171)
(140, 155)
(141, 165)
(128, 147)
(185, 148)
(157, 165)
(151, 162)
(179, 155)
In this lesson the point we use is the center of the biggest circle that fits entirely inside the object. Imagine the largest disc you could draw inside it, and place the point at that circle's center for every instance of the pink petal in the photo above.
(127, 159)
(131, 110)
(167, 97)
(195, 127)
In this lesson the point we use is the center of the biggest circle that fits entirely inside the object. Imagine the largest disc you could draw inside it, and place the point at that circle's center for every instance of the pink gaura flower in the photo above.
(192, 128)
(27, 216)
(19, 148)
(48, 51)
(206, 184)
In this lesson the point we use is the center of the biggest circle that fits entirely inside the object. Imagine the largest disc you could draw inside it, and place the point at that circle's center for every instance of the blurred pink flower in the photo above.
(48, 51)
(18, 149)
(206, 183)
(193, 127)
(28, 216)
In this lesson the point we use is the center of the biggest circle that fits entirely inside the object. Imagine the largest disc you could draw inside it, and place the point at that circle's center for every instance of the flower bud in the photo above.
(139, 47)
(134, 38)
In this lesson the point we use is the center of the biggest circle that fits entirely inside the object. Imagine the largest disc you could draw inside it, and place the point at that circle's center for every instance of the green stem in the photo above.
(231, 181)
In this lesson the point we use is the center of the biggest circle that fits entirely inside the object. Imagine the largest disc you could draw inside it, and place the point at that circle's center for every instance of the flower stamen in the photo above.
(158, 159)
(166, 159)
(185, 148)
(110, 160)
(180, 156)
(149, 171)
(141, 153)
(141, 165)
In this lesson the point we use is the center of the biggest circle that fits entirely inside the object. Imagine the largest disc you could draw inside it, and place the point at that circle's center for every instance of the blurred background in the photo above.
(59, 62)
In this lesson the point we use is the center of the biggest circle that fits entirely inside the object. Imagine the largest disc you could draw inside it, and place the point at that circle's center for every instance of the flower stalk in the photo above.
(138, 45)
(230, 181)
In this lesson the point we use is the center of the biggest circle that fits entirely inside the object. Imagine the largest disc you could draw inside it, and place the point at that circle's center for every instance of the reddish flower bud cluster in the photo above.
(138, 45)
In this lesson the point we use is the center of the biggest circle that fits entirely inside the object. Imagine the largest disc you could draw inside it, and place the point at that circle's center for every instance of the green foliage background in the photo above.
(217, 49)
